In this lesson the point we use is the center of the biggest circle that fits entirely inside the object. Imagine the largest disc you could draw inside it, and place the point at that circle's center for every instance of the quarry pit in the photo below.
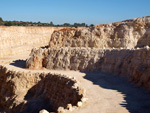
(100, 69)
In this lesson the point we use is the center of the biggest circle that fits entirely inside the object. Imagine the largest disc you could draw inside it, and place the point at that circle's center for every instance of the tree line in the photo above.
(22, 23)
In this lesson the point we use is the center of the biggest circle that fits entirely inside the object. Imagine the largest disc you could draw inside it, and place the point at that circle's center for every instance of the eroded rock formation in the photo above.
(31, 92)
(134, 64)
(126, 34)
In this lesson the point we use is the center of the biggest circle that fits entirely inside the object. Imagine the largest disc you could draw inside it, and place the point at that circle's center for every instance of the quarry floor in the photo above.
(106, 93)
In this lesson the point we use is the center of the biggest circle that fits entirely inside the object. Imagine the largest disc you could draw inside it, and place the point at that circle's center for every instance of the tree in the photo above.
(39, 23)
(86, 25)
(1, 21)
(92, 25)
(8, 23)
(66, 25)
(75, 25)
(51, 23)
(83, 24)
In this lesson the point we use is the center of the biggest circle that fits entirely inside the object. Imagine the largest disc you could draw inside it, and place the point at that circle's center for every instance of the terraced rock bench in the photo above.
(31, 92)
(131, 63)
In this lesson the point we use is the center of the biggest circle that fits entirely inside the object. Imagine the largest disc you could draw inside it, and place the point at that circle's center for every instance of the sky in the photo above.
(71, 11)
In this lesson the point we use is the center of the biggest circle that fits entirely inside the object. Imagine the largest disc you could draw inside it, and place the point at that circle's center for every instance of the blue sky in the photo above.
(71, 11)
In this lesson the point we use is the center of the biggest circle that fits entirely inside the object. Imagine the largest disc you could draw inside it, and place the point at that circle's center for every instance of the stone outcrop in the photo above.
(31, 92)
(125, 34)
(134, 63)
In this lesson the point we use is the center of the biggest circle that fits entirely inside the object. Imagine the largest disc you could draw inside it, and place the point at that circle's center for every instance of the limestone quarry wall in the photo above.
(20, 40)
(125, 34)
(31, 92)
(134, 63)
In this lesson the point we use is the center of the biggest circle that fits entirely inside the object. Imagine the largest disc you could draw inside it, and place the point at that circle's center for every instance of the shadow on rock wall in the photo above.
(35, 99)
(19, 63)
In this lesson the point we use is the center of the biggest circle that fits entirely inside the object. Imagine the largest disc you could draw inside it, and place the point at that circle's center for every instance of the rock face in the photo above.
(84, 59)
(134, 64)
(31, 92)
(125, 34)
(20, 40)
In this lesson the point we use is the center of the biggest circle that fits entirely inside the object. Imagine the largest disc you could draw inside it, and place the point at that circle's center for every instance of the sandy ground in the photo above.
(106, 93)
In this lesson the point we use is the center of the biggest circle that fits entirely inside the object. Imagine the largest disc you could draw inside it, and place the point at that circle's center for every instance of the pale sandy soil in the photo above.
(106, 93)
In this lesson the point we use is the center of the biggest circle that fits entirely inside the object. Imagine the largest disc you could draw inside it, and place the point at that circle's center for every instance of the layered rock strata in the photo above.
(31, 92)
(20, 40)
(134, 63)
(125, 34)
